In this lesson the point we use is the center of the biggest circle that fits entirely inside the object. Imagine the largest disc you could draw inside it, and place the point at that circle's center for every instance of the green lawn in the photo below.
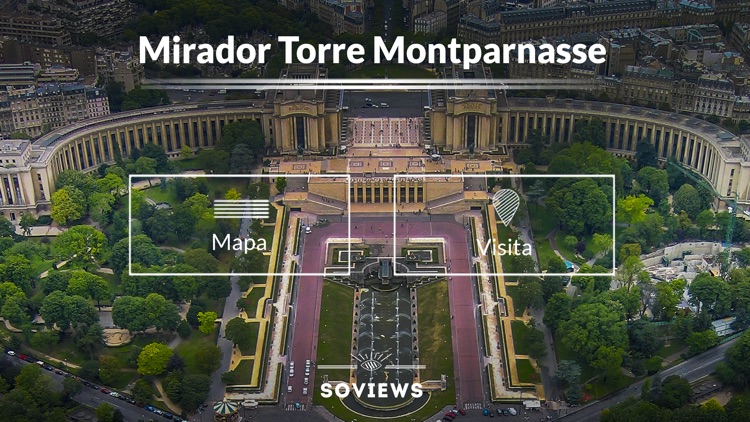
(435, 350)
(513, 293)
(394, 71)
(189, 348)
(252, 300)
(249, 348)
(568, 252)
(600, 388)
(526, 372)
(244, 372)
(544, 251)
(336, 319)
(519, 336)
(157, 194)
(673, 347)
(189, 164)
(542, 221)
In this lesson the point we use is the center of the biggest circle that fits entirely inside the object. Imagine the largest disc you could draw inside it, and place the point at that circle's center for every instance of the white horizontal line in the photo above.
(241, 207)
(374, 87)
(241, 216)
(264, 201)
(336, 367)
(335, 81)
(405, 367)
(240, 213)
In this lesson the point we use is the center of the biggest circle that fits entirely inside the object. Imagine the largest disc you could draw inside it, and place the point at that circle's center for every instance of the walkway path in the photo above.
(275, 354)
(226, 346)
(165, 399)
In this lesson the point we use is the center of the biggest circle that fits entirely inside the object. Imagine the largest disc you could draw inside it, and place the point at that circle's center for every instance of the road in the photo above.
(692, 369)
(226, 346)
(94, 398)
(306, 305)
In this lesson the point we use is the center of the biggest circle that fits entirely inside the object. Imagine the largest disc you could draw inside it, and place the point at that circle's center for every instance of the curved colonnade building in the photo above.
(291, 123)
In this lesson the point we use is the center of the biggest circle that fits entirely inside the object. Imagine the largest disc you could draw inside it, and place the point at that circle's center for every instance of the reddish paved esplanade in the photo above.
(464, 336)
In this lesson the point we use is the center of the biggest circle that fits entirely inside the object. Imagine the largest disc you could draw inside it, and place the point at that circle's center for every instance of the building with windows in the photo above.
(36, 29)
(431, 23)
(309, 122)
(343, 15)
(35, 111)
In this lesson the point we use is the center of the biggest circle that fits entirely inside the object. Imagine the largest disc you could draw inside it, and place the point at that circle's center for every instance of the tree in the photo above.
(675, 392)
(195, 389)
(127, 312)
(529, 293)
(742, 257)
(654, 183)
(630, 272)
(153, 359)
(207, 321)
(239, 332)
(535, 341)
(568, 373)
(89, 285)
(232, 195)
(100, 205)
(601, 243)
(632, 209)
(687, 199)
(55, 280)
(163, 314)
(156, 153)
(142, 391)
(607, 359)
(44, 340)
(214, 161)
(646, 154)
(590, 131)
(643, 338)
(70, 388)
(109, 368)
(711, 293)
(557, 310)
(701, 341)
(201, 260)
(63, 310)
(668, 296)
(68, 204)
(27, 222)
(244, 132)
(281, 184)
(89, 338)
(145, 165)
(592, 325)
(207, 360)
(143, 252)
(241, 159)
(569, 203)
(80, 244)
(104, 412)
(84, 182)
(17, 268)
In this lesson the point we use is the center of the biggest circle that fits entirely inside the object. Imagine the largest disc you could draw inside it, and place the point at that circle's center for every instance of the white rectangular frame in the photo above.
(244, 176)
(396, 177)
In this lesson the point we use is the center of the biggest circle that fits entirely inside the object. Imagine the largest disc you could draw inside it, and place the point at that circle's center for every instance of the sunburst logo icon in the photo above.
(373, 362)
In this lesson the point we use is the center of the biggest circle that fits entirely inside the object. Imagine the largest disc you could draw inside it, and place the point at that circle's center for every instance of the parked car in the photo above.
(105, 391)
(11, 353)
(48, 367)
(486, 412)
